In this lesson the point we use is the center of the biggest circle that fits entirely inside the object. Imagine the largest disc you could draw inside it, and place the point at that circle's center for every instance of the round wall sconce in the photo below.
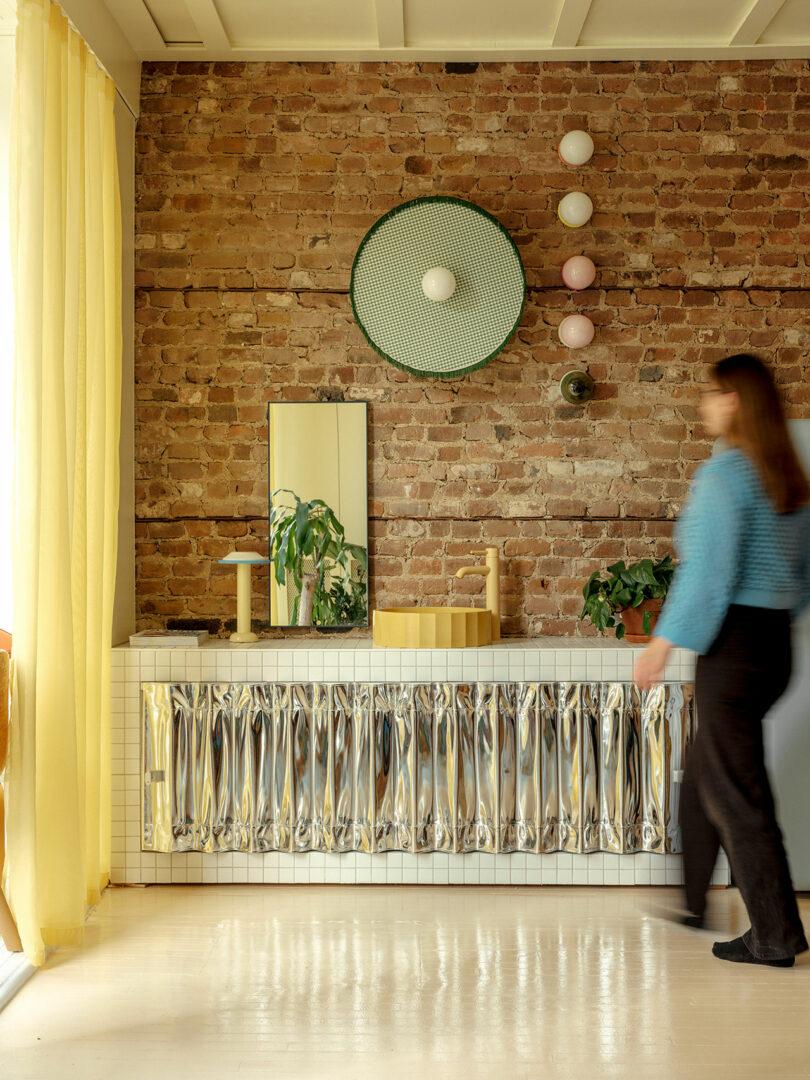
(438, 287)
(575, 209)
(243, 560)
(578, 272)
(576, 387)
(575, 148)
(439, 283)
(576, 331)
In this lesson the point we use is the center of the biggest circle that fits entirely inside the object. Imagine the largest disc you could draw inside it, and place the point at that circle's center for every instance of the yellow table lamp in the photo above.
(243, 561)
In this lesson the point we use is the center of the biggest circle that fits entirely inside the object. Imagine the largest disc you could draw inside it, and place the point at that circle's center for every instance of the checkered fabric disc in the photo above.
(446, 338)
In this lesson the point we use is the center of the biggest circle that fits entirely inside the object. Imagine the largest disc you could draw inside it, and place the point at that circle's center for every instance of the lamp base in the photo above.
(242, 639)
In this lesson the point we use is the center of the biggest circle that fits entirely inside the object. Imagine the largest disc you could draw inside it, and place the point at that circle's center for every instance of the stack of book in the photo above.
(167, 639)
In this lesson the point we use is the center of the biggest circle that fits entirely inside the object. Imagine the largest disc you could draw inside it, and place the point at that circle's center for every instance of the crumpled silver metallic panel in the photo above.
(455, 767)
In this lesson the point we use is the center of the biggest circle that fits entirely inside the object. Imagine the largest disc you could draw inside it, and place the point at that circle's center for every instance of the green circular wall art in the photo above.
(442, 338)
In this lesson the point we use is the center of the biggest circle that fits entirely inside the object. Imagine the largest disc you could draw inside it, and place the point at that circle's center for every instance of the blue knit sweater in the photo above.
(734, 548)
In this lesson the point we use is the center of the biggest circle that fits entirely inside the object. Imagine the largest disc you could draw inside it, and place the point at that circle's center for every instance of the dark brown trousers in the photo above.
(726, 796)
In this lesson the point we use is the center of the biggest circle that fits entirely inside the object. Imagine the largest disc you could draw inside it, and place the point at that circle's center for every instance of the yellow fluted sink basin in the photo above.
(432, 627)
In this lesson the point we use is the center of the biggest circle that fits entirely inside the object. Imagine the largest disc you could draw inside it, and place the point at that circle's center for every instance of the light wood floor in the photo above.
(216, 982)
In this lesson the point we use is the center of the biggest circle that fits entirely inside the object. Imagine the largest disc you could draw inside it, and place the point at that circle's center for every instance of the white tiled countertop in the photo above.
(342, 642)
(358, 659)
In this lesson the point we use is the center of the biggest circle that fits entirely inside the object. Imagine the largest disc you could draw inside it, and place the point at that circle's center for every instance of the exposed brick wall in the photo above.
(255, 185)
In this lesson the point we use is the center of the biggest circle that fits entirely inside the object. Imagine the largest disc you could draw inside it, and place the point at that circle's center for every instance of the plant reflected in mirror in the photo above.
(318, 523)
(309, 533)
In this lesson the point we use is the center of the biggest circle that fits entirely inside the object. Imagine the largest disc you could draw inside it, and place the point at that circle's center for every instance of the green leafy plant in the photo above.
(310, 530)
(625, 587)
(348, 601)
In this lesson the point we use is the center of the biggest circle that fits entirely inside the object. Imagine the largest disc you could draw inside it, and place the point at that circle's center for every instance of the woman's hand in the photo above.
(649, 668)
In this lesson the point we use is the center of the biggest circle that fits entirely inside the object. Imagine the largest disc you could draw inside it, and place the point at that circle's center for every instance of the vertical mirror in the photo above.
(318, 513)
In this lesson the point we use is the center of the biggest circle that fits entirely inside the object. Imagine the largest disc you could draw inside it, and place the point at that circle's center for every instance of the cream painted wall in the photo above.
(319, 450)
(353, 473)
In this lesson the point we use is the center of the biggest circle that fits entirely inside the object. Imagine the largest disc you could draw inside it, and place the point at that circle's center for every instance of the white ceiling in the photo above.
(481, 30)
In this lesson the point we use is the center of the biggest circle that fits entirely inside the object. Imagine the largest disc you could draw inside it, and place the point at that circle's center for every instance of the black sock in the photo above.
(697, 922)
(739, 953)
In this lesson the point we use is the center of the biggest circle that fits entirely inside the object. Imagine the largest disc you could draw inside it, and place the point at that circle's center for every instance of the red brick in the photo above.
(249, 219)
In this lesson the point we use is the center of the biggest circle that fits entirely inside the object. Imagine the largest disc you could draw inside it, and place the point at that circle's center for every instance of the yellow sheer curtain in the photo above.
(66, 256)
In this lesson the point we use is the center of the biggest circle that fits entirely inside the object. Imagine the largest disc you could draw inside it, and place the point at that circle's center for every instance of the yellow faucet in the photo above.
(493, 575)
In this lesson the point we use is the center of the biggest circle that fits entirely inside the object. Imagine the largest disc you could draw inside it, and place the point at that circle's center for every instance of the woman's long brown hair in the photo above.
(759, 427)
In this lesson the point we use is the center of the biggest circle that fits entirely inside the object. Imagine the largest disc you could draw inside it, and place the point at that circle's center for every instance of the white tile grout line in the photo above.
(515, 662)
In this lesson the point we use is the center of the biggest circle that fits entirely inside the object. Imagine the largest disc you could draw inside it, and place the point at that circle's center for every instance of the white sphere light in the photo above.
(438, 283)
(576, 331)
(578, 272)
(575, 209)
(575, 148)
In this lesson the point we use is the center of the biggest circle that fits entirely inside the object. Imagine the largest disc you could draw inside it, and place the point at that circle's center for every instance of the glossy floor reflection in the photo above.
(391, 981)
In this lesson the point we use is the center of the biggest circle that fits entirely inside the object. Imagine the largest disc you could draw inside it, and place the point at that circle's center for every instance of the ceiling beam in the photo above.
(139, 28)
(303, 53)
(570, 21)
(206, 18)
(760, 15)
(390, 23)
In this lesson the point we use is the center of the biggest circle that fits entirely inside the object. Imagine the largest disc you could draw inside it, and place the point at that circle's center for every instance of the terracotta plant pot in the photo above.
(633, 620)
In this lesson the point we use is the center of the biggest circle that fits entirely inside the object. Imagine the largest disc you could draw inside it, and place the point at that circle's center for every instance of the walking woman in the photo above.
(743, 540)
